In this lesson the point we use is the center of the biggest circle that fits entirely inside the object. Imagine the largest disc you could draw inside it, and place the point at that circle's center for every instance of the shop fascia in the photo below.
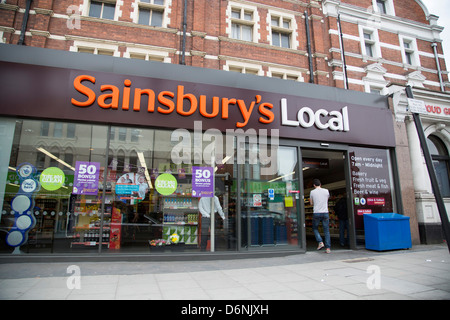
(170, 102)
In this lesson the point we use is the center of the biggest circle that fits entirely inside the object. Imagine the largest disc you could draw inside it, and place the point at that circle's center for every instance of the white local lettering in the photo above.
(306, 118)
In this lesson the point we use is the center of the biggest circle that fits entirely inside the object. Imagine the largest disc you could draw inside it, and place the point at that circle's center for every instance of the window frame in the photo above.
(285, 74)
(412, 51)
(103, 2)
(233, 22)
(281, 29)
(241, 22)
(374, 42)
(388, 6)
(243, 67)
(152, 7)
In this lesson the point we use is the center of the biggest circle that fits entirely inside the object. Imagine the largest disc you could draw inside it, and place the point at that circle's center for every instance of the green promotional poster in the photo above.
(52, 179)
(166, 184)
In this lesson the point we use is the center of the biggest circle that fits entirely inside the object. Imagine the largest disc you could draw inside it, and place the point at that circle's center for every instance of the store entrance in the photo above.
(330, 168)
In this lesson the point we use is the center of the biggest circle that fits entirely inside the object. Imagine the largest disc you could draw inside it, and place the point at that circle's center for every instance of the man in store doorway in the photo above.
(204, 206)
(319, 200)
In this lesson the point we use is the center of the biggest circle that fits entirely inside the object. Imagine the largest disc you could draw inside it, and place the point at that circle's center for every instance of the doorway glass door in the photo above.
(270, 201)
(329, 168)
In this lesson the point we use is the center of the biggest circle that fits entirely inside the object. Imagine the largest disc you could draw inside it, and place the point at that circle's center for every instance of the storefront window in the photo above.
(40, 210)
(75, 193)
(372, 185)
(145, 218)
(270, 200)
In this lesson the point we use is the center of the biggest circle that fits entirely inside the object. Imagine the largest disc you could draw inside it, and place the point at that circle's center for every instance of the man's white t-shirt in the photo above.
(319, 198)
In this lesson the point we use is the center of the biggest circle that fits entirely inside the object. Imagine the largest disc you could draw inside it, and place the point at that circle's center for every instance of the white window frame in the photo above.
(244, 67)
(243, 8)
(286, 74)
(149, 54)
(96, 46)
(139, 5)
(241, 22)
(292, 30)
(413, 50)
(375, 41)
(389, 5)
(87, 5)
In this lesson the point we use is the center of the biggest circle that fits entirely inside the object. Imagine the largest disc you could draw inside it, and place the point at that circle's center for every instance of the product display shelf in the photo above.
(181, 217)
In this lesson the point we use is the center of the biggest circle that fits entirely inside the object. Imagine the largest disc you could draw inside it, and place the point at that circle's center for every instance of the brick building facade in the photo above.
(267, 38)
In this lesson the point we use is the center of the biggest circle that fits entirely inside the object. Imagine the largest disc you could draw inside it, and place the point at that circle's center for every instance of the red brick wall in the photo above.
(206, 27)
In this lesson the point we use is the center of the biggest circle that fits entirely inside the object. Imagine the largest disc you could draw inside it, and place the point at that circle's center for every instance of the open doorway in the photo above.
(329, 168)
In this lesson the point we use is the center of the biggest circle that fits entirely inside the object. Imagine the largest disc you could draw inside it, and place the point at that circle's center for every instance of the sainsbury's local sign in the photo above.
(170, 102)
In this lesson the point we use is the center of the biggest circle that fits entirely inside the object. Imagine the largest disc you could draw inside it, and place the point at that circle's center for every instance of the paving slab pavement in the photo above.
(420, 273)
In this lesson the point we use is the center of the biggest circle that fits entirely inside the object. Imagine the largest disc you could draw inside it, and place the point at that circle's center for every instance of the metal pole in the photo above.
(213, 216)
(105, 177)
(434, 182)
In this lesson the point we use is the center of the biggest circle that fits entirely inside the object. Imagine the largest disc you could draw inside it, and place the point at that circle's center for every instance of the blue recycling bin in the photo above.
(387, 231)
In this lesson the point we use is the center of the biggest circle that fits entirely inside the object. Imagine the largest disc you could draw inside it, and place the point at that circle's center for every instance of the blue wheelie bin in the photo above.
(387, 231)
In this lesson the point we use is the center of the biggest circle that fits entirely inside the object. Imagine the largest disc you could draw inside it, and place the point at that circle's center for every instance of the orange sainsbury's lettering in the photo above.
(263, 109)
(114, 95)
(84, 90)
(167, 102)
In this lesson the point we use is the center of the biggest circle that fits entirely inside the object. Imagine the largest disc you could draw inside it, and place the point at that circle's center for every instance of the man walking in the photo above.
(319, 200)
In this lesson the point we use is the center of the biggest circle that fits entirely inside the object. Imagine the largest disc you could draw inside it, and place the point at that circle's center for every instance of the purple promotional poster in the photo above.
(86, 178)
(202, 182)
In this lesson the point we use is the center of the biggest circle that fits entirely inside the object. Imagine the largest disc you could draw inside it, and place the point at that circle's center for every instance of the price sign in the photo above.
(202, 182)
(86, 178)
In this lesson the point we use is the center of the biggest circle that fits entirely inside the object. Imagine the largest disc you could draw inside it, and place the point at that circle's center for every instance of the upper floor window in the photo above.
(409, 51)
(243, 67)
(283, 29)
(384, 6)
(95, 47)
(242, 24)
(381, 4)
(370, 44)
(102, 9)
(281, 32)
(151, 12)
(148, 54)
(286, 74)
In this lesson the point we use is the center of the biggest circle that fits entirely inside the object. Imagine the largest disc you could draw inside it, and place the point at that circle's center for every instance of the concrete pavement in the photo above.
(422, 273)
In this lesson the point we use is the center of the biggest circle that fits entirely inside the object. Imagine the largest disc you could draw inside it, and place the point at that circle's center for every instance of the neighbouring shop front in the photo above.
(435, 123)
(110, 155)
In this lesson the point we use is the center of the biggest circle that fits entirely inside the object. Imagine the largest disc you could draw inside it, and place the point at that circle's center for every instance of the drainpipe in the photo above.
(308, 38)
(341, 43)
(183, 49)
(434, 45)
(24, 23)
